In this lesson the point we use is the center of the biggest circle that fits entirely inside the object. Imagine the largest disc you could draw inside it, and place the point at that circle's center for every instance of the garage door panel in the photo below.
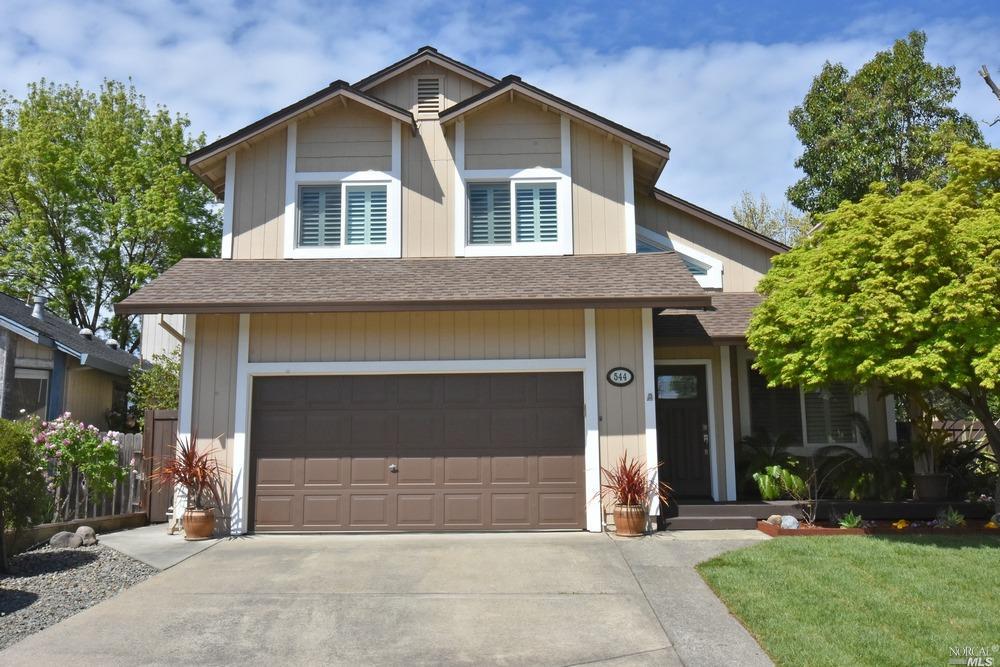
(323, 471)
(369, 511)
(322, 511)
(275, 471)
(471, 452)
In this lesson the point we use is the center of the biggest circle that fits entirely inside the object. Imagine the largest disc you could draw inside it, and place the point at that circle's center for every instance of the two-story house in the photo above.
(445, 300)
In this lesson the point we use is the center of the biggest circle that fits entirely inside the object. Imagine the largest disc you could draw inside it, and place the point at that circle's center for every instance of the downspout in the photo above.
(8, 352)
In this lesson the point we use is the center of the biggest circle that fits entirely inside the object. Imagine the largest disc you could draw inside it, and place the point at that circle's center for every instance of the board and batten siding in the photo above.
(744, 262)
(622, 420)
(427, 162)
(88, 394)
(338, 138)
(155, 339)
(598, 192)
(214, 395)
(411, 336)
(512, 135)
(259, 198)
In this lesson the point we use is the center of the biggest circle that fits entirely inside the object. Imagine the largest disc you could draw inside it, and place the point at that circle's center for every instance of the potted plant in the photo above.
(932, 483)
(200, 474)
(631, 486)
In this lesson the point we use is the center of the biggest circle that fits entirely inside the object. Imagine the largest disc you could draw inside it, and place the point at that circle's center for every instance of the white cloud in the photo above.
(722, 107)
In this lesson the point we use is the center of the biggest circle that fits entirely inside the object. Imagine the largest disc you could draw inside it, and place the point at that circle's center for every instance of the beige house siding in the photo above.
(621, 410)
(338, 138)
(598, 192)
(516, 135)
(31, 355)
(406, 336)
(259, 198)
(155, 339)
(214, 385)
(743, 262)
(88, 394)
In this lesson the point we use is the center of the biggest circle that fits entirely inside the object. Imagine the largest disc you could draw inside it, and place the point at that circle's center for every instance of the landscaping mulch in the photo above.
(875, 528)
(49, 584)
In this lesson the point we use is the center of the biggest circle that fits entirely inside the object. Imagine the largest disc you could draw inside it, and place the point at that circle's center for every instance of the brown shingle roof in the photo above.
(324, 285)
(725, 322)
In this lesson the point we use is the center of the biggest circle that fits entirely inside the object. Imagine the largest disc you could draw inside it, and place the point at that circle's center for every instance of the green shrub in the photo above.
(777, 481)
(157, 386)
(22, 482)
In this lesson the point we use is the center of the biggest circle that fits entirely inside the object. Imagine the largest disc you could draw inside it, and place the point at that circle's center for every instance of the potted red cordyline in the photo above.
(631, 486)
(201, 476)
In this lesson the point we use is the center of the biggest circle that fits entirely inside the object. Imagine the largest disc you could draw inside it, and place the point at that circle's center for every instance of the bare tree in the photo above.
(985, 73)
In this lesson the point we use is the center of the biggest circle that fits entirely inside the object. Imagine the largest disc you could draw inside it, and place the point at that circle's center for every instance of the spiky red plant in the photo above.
(629, 482)
(197, 471)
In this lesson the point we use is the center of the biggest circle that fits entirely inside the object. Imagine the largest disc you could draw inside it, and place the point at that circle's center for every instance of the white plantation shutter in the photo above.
(366, 215)
(828, 415)
(428, 96)
(319, 216)
(536, 212)
(489, 213)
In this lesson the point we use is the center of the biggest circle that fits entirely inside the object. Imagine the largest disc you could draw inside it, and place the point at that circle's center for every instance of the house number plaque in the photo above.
(620, 377)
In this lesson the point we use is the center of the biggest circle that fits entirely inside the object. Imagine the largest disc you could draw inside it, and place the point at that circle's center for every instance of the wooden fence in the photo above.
(159, 440)
(73, 502)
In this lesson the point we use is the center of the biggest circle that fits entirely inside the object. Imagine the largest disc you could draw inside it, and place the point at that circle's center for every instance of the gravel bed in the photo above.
(48, 584)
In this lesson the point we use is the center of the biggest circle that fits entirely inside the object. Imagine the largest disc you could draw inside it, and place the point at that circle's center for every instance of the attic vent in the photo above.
(428, 96)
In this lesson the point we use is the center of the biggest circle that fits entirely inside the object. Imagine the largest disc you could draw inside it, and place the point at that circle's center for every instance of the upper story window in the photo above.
(489, 213)
(537, 215)
(338, 214)
(534, 218)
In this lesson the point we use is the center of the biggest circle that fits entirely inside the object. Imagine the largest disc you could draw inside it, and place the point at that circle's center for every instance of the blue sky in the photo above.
(714, 80)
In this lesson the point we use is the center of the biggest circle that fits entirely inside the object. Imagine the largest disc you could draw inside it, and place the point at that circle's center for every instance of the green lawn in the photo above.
(864, 600)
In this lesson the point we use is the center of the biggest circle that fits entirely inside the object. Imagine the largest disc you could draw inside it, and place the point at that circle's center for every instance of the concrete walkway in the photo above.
(539, 599)
(153, 546)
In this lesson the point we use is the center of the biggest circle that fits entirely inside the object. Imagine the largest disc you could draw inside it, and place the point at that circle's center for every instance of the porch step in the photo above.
(758, 510)
(710, 523)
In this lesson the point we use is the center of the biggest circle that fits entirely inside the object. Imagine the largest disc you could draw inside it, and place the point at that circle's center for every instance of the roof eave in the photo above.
(720, 221)
(423, 55)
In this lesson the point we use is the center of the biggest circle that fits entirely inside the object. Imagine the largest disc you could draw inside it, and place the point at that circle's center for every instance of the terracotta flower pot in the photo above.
(931, 486)
(630, 520)
(199, 524)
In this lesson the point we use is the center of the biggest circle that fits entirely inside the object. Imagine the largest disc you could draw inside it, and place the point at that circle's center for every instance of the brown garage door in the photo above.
(418, 452)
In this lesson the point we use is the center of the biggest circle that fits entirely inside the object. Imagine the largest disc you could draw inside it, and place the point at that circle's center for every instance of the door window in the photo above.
(674, 387)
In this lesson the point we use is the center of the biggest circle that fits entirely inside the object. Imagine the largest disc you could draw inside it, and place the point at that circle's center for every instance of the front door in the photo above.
(682, 430)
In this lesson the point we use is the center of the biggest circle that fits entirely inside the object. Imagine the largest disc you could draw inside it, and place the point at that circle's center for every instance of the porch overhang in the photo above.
(651, 280)
(725, 322)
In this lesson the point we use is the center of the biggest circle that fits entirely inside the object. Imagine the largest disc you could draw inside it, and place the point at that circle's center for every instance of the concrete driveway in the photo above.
(540, 599)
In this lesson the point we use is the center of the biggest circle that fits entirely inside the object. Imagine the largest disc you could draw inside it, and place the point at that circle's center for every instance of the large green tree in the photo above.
(903, 289)
(892, 121)
(94, 201)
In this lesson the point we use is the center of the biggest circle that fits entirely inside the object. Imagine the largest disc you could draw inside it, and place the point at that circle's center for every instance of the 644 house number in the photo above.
(620, 377)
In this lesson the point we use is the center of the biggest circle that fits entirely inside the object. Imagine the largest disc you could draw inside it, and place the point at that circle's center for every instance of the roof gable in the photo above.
(422, 55)
(715, 219)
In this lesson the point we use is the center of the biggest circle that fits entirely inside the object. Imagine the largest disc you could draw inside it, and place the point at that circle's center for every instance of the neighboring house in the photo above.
(48, 367)
(430, 283)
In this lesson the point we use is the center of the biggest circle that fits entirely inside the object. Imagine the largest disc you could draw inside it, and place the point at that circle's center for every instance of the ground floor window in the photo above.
(31, 392)
(822, 417)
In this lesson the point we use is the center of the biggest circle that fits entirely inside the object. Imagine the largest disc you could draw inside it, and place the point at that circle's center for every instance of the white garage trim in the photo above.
(246, 371)
(185, 403)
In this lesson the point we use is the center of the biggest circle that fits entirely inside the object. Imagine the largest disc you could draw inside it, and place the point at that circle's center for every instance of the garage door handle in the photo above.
(393, 467)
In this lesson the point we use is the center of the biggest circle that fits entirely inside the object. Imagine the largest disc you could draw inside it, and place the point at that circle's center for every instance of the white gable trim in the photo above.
(432, 58)
(712, 280)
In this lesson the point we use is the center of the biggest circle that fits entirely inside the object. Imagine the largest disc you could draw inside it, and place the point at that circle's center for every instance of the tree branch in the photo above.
(985, 73)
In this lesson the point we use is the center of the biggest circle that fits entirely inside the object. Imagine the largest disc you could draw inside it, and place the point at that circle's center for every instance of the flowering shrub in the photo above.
(67, 446)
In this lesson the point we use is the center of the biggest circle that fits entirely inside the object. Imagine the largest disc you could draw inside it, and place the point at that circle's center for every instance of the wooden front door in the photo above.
(682, 430)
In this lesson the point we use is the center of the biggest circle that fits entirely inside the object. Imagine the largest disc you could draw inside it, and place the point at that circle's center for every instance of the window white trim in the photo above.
(246, 371)
(713, 265)
(713, 457)
(228, 206)
(564, 200)
(394, 198)
(22, 373)
(629, 191)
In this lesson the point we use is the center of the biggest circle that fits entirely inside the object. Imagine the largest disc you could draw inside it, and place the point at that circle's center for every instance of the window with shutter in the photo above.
(489, 213)
(536, 212)
(428, 96)
(829, 413)
(319, 216)
(366, 215)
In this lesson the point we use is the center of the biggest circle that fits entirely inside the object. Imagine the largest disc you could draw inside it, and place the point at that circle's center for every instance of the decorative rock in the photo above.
(88, 535)
(774, 520)
(789, 522)
(995, 518)
(65, 539)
